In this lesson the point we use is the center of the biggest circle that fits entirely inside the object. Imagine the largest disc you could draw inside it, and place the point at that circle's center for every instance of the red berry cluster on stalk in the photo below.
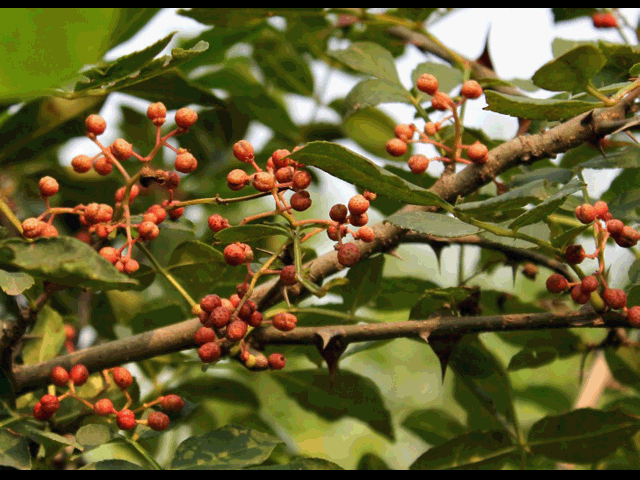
(104, 220)
(623, 235)
(124, 418)
(477, 153)
(604, 20)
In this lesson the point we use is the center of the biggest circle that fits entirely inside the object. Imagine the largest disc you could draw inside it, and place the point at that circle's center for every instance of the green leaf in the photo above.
(535, 108)
(229, 447)
(433, 224)
(310, 389)
(532, 358)
(435, 426)
(511, 200)
(228, 390)
(152, 318)
(63, 260)
(14, 450)
(241, 17)
(550, 174)
(397, 293)
(130, 22)
(364, 282)
(582, 436)
(635, 70)
(49, 328)
(356, 169)
(569, 236)
(302, 463)
(372, 92)
(571, 71)
(250, 233)
(109, 72)
(93, 435)
(467, 451)
(369, 58)
(448, 77)
(38, 435)
(14, 283)
(628, 157)
(542, 211)
(565, 14)
(549, 398)
(371, 461)
(112, 464)
(622, 371)
(43, 48)
(199, 268)
(281, 63)
(371, 129)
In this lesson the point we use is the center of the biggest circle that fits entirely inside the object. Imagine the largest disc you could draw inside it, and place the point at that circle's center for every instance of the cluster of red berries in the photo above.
(604, 20)
(623, 235)
(354, 213)
(230, 319)
(99, 218)
(477, 153)
(125, 418)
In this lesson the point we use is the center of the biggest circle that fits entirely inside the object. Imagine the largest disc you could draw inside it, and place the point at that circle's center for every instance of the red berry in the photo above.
(358, 205)
(288, 275)
(404, 132)
(277, 361)
(396, 147)
(279, 158)
(32, 227)
(255, 320)
(95, 124)
(418, 164)
(121, 149)
(221, 316)
(369, 195)
(614, 298)
(125, 419)
(122, 377)
(159, 212)
(285, 321)
(604, 20)
(174, 213)
(40, 414)
(633, 316)
(157, 113)
(103, 408)
(131, 265)
(556, 283)
(430, 128)
(601, 208)
(427, 83)
(574, 254)
(111, 254)
(478, 153)
(48, 186)
(589, 284)
(359, 220)
(284, 174)
(103, 166)
(209, 352)
(158, 421)
(301, 201)
(615, 227)
(133, 193)
(185, 118)
(81, 163)
(236, 330)
(301, 180)
(264, 181)
(234, 254)
(50, 404)
(579, 296)
(586, 213)
(471, 89)
(172, 404)
(148, 230)
(218, 223)
(366, 234)
(185, 163)
(338, 213)
(210, 302)
(79, 374)
(441, 101)
(204, 335)
(59, 376)
(237, 179)
(173, 180)
(629, 235)
(348, 255)
(243, 151)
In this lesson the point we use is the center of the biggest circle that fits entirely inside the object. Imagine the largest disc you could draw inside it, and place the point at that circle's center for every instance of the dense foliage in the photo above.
(357, 352)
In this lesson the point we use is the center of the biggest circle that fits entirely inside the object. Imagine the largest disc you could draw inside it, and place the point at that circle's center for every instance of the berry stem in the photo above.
(168, 276)
(148, 458)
